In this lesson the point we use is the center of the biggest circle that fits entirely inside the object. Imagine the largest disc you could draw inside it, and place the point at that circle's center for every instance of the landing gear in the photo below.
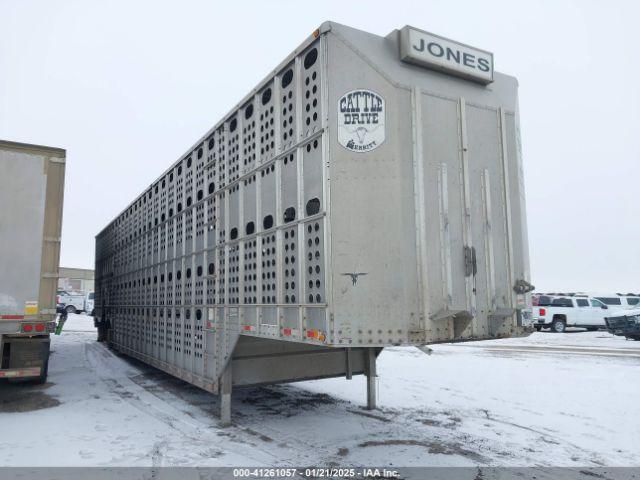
(370, 370)
(225, 387)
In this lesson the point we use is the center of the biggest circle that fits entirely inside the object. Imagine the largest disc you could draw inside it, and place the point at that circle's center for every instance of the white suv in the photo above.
(619, 300)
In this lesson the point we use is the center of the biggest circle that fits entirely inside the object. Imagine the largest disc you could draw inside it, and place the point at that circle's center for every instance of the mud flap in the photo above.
(26, 354)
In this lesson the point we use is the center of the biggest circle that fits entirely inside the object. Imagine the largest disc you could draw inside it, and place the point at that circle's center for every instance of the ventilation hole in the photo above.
(178, 274)
(170, 212)
(187, 313)
(211, 188)
(180, 170)
(199, 271)
(188, 201)
(200, 195)
(266, 96)
(289, 215)
(211, 143)
(161, 279)
(250, 228)
(233, 125)
(267, 222)
(198, 314)
(188, 162)
(210, 269)
(179, 207)
(313, 206)
(234, 233)
(170, 276)
(200, 153)
(310, 58)
(287, 78)
(248, 112)
(188, 273)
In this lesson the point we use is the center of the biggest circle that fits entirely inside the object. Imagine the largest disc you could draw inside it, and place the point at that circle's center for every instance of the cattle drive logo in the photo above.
(361, 121)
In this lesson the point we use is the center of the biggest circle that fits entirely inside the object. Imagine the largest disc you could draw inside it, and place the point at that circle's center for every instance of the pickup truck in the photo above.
(70, 302)
(563, 312)
(626, 324)
(89, 303)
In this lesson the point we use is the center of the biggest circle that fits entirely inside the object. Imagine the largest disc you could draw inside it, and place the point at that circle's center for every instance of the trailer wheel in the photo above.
(70, 309)
(558, 326)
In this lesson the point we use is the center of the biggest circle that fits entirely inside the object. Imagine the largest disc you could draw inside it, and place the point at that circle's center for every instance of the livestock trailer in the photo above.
(31, 195)
(368, 192)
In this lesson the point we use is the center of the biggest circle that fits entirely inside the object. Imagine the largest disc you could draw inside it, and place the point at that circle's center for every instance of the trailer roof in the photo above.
(32, 148)
(369, 45)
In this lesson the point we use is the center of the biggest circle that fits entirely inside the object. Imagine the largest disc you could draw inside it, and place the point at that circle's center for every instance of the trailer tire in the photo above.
(558, 326)
(70, 309)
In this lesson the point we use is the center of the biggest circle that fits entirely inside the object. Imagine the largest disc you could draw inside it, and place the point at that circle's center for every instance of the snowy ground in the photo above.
(550, 399)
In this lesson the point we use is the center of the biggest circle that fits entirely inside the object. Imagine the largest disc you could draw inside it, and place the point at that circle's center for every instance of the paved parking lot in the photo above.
(549, 399)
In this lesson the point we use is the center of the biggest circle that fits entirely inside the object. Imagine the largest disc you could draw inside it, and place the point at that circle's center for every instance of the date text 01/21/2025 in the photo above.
(319, 472)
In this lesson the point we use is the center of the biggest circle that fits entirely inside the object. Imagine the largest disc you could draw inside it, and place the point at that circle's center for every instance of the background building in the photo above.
(76, 279)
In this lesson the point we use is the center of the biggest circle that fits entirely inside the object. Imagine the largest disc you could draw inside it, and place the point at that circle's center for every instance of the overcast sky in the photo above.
(127, 86)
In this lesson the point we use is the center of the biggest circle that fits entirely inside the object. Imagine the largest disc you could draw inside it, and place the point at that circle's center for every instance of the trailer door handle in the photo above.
(470, 261)
(474, 261)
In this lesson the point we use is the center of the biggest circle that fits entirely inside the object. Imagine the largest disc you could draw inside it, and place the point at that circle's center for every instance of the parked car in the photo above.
(70, 302)
(563, 312)
(620, 300)
(625, 323)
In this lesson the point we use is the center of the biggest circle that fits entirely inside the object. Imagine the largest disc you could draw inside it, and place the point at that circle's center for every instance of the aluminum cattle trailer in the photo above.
(368, 192)
(31, 195)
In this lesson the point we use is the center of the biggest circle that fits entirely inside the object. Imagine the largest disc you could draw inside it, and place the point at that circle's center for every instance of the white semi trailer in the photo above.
(368, 192)
(31, 195)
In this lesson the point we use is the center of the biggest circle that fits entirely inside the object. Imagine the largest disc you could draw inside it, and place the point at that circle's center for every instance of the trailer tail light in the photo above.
(40, 327)
(316, 334)
(543, 312)
(27, 328)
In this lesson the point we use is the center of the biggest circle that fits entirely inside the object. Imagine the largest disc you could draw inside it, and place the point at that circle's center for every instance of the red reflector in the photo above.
(27, 327)
(312, 333)
(247, 327)
(12, 317)
(40, 327)
(543, 312)
(286, 331)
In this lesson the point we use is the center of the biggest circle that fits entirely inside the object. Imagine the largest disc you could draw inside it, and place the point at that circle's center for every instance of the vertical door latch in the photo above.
(470, 261)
